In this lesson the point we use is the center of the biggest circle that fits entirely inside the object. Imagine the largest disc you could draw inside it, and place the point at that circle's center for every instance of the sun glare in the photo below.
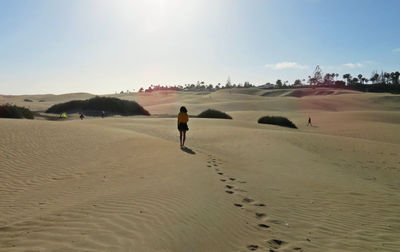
(154, 16)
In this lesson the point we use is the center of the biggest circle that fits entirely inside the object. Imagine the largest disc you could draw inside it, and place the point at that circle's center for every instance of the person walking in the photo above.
(309, 121)
(183, 119)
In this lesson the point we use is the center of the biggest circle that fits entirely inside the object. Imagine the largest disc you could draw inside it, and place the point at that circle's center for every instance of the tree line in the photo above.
(199, 86)
(377, 82)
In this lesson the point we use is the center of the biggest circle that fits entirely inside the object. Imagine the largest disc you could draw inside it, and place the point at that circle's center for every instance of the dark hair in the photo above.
(183, 109)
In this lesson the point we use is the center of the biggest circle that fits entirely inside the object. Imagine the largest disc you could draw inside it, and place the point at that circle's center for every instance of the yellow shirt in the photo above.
(183, 118)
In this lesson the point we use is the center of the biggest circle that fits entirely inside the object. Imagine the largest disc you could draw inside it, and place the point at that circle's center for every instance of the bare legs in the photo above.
(182, 137)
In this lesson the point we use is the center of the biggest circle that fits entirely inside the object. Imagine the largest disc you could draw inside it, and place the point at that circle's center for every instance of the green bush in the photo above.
(96, 105)
(212, 113)
(277, 120)
(12, 111)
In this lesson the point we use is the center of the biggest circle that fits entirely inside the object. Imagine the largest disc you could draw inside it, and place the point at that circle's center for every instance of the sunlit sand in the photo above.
(124, 184)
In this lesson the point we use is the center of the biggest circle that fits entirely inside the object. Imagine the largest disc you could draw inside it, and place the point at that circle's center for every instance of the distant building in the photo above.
(266, 86)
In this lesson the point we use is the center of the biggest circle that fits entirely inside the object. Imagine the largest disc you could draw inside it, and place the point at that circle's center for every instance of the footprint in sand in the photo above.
(230, 192)
(220, 173)
(260, 204)
(274, 243)
(252, 247)
(237, 205)
(233, 179)
(223, 180)
(260, 215)
(247, 200)
(208, 165)
(229, 186)
(263, 226)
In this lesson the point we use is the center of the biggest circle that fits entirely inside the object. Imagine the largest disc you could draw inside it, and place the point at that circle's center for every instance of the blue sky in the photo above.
(102, 46)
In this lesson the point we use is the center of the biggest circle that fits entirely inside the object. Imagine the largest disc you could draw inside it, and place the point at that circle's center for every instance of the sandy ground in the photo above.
(123, 184)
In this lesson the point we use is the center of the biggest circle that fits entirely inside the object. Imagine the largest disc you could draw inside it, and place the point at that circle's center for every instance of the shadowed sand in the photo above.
(123, 184)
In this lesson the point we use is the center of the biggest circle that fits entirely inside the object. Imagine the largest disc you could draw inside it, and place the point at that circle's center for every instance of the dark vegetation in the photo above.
(96, 105)
(379, 83)
(383, 82)
(28, 100)
(377, 88)
(212, 113)
(277, 120)
(199, 86)
(12, 111)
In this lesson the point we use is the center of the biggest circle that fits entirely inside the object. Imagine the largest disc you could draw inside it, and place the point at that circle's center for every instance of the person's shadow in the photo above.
(188, 150)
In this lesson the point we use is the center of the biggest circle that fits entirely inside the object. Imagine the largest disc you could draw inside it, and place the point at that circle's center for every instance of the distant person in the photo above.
(103, 114)
(309, 121)
(183, 118)
(81, 116)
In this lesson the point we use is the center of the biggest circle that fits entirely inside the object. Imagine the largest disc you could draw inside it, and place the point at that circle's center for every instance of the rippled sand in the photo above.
(123, 184)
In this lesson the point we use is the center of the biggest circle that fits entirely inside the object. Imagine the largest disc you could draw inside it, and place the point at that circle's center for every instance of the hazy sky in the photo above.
(101, 46)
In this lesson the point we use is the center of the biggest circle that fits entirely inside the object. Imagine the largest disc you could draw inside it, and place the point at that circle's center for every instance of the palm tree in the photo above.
(360, 77)
(279, 83)
(395, 77)
(386, 77)
(374, 77)
(347, 77)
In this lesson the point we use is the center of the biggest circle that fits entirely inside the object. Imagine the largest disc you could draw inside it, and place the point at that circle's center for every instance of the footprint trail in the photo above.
(249, 204)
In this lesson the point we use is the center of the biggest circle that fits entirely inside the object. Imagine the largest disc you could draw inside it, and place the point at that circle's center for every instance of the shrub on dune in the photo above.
(277, 120)
(12, 111)
(96, 105)
(212, 113)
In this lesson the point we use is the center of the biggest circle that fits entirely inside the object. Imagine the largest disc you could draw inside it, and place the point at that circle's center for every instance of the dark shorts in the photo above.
(183, 127)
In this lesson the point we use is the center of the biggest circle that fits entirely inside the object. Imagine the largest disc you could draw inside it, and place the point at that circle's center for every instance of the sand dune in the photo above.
(123, 184)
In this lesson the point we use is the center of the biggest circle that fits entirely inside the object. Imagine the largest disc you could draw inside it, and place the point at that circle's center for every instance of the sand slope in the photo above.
(123, 184)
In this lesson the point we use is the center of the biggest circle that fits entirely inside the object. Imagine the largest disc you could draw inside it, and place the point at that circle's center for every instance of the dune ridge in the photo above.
(123, 184)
